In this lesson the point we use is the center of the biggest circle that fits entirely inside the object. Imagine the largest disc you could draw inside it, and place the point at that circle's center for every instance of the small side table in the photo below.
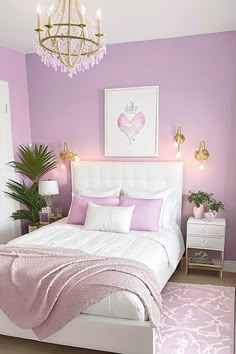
(206, 235)
(52, 219)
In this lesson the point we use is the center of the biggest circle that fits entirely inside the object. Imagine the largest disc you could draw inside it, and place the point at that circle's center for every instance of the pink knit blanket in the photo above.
(44, 288)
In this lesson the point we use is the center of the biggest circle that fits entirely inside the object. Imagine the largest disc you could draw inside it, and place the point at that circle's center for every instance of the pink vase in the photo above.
(198, 212)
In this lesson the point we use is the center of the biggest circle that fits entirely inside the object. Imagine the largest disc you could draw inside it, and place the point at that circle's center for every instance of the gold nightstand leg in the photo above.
(182, 263)
(222, 264)
(186, 261)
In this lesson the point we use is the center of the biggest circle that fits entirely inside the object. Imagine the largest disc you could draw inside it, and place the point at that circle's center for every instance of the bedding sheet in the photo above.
(161, 251)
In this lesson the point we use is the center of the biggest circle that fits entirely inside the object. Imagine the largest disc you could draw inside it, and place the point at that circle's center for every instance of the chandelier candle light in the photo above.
(68, 41)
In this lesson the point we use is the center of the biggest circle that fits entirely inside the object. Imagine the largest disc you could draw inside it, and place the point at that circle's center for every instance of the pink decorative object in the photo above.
(131, 127)
(198, 212)
(79, 205)
(146, 214)
(197, 319)
(209, 215)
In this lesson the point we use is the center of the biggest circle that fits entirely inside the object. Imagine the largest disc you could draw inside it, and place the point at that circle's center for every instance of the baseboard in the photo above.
(230, 266)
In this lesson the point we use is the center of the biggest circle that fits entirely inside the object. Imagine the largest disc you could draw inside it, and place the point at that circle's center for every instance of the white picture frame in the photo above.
(132, 121)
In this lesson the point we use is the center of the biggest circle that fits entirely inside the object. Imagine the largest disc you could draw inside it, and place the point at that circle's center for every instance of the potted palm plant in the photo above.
(199, 199)
(34, 162)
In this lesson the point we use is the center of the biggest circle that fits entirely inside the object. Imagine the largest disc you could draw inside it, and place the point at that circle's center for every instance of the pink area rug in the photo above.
(197, 319)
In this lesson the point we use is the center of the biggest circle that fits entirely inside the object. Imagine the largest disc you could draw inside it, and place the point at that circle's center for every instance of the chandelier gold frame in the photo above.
(69, 39)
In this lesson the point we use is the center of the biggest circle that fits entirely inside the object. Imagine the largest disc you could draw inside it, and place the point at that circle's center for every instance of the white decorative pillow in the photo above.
(108, 218)
(115, 192)
(135, 193)
(170, 213)
(164, 194)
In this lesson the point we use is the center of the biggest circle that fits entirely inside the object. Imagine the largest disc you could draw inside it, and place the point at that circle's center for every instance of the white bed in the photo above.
(141, 246)
(118, 323)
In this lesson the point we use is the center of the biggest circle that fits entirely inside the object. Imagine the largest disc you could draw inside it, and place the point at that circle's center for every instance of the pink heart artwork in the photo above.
(131, 127)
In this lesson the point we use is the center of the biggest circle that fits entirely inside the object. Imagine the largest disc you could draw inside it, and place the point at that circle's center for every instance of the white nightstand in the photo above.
(206, 235)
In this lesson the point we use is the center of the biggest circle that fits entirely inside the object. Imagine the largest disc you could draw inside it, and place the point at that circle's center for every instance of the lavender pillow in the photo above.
(79, 205)
(146, 213)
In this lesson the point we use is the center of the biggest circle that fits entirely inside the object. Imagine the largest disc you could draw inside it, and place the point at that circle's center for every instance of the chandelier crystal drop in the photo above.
(68, 40)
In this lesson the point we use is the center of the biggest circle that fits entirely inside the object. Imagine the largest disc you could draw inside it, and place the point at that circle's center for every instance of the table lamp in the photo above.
(48, 189)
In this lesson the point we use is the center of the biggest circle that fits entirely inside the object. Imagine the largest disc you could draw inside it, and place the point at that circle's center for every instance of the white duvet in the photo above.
(161, 251)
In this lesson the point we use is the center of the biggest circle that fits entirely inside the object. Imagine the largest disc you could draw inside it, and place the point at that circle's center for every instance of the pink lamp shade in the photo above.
(48, 187)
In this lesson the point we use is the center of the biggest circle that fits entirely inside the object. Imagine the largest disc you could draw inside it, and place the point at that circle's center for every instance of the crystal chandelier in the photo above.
(67, 41)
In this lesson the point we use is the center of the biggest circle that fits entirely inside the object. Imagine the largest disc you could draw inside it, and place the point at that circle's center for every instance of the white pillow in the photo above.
(132, 192)
(108, 218)
(164, 194)
(115, 192)
(170, 213)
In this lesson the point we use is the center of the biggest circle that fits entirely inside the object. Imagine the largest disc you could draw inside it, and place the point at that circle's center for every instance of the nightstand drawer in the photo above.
(206, 229)
(210, 243)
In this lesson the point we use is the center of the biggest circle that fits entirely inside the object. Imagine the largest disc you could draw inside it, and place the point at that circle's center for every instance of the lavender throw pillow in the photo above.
(146, 213)
(79, 205)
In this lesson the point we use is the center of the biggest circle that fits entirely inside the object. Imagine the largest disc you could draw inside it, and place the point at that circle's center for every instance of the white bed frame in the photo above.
(149, 176)
(97, 332)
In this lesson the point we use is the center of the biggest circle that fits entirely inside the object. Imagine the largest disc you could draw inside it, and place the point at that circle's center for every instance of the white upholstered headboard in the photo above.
(104, 175)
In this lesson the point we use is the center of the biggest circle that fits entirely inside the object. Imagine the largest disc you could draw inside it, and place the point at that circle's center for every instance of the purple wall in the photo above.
(197, 79)
(13, 70)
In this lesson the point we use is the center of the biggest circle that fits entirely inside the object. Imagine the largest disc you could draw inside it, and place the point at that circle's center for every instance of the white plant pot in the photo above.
(32, 228)
(198, 212)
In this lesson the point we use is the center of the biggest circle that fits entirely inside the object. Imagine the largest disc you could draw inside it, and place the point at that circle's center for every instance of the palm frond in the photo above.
(27, 196)
(34, 162)
(21, 215)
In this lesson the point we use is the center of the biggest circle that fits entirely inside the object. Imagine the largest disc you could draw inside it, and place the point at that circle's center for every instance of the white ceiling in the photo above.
(124, 20)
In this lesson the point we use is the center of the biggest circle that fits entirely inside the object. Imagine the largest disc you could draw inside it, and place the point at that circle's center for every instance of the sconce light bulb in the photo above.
(62, 166)
(175, 144)
(76, 159)
(178, 155)
(202, 167)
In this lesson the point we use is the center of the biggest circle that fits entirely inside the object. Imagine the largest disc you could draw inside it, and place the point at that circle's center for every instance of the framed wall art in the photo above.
(132, 121)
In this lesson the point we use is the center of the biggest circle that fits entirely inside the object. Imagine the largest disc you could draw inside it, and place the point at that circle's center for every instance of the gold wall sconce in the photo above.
(179, 139)
(66, 154)
(201, 155)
